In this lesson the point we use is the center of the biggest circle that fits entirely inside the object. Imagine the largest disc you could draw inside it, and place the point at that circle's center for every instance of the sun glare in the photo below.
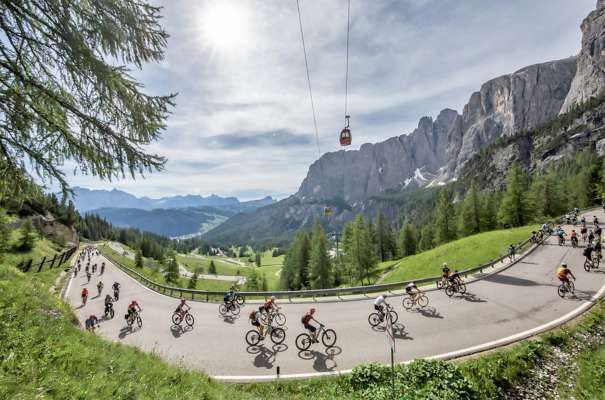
(225, 26)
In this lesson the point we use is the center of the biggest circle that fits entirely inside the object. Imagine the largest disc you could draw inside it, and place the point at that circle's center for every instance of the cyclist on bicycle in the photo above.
(100, 287)
(590, 236)
(597, 247)
(183, 307)
(133, 308)
(574, 237)
(563, 272)
(269, 306)
(561, 234)
(306, 321)
(411, 289)
(88, 276)
(108, 303)
(103, 267)
(511, 253)
(257, 321)
(598, 231)
(455, 278)
(380, 303)
(116, 288)
(84, 295)
(588, 252)
(91, 322)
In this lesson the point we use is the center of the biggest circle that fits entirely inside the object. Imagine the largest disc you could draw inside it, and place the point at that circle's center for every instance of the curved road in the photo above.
(518, 299)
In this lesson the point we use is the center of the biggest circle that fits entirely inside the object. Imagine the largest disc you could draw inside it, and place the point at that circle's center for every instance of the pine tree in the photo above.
(264, 286)
(252, 282)
(427, 237)
(408, 240)
(320, 274)
(490, 212)
(67, 95)
(471, 212)
(385, 242)
(346, 244)
(212, 268)
(514, 208)
(193, 281)
(172, 270)
(138, 259)
(359, 250)
(5, 234)
(445, 217)
(28, 238)
(257, 259)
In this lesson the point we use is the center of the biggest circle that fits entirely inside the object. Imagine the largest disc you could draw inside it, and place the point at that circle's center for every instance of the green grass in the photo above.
(459, 254)
(590, 382)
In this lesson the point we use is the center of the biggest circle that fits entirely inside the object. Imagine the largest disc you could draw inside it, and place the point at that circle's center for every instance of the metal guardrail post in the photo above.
(42, 264)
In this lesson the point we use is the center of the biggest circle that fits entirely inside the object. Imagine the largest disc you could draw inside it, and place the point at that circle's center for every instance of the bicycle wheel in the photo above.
(303, 341)
(449, 291)
(596, 260)
(571, 287)
(394, 316)
(235, 309)
(252, 337)
(280, 319)
(222, 309)
(176, 319)
(278, 335)
(374, 319)
(408, 303)
(461, 288)
(561, 291)
(189, 320)
(439, 284)
(240, 299)
(139, 321)
(328, 338)
(423, 301)
(587, 266)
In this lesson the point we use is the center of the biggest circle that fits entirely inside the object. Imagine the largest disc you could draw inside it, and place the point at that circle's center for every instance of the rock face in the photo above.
(590, 78)
(522, 100)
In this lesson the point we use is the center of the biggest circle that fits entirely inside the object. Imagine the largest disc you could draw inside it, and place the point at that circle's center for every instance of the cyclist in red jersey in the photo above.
(306, 321)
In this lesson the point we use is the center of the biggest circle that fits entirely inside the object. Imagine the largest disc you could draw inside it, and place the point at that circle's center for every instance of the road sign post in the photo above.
(391, 340)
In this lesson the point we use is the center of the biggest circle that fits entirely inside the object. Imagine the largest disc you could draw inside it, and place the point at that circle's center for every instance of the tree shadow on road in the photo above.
(510, 280)
(265, 357)
(322, 362)
(178, 330)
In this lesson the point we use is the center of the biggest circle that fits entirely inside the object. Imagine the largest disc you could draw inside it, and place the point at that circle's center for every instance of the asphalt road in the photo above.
(518, 299)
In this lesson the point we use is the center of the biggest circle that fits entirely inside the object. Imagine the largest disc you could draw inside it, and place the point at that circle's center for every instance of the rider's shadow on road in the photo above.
(398, 331)
(265, 357)
(230, 319)
(125, 331)
(473, 298)
(430, 312)
(178, 331)
(582, 295)
(322, 362)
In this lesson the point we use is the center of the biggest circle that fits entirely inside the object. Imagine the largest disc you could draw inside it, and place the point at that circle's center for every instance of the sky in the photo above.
(243, 125)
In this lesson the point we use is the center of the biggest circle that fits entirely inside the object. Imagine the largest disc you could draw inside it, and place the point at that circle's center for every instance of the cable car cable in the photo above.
(302, 37)
(347, 58)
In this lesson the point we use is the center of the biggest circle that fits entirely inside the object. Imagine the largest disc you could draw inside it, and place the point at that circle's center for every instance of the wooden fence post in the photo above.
(53, 261)
(61, 259)
(28, 265)
(42, 264)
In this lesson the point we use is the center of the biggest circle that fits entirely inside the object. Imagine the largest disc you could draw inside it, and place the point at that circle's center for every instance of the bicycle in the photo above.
(566, 287)
(328, 338)
(592, 263)
(239, 299)
(441, 283)
(274, 315)
(178, 317)
(109, 312)
(374, 319)
(277, 335)
(231, 307)
(455, 287)
(84, 298)
(574, 242)
(116, 294)
(411, 300)
(135, 317)
(561, 241)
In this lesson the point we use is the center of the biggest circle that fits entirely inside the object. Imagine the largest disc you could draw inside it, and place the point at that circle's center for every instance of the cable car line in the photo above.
(302, 37)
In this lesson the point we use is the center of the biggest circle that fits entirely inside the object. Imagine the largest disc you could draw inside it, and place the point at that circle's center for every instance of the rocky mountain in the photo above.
(87, 200)
(506, 109)
(590, 78)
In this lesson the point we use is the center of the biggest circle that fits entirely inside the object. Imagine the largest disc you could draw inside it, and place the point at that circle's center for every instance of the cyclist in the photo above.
(584, 233)
(91, 322)
(108, 304)
(597, 247)
(598, 231)
(183, 307)
(100, 287)
(545, 228)
(595, 220)
(380, 303)
(269, 306)
(103, 267)
(590, 236)
(455, 279)
(563, 274)
(306, 321)
(574, 237)
(511, 253)
(94, 268)
(84, 295)
(257, 321)
(561, 234)
(229, 296)
(116, 289)
(412, 290)
(133, 308)
(88, 276)
(588, 252)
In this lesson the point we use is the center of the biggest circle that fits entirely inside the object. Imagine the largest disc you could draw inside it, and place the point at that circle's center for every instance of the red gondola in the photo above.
(345, 134)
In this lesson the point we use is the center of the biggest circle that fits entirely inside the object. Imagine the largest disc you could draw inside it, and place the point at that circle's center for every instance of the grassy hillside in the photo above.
(460, 254)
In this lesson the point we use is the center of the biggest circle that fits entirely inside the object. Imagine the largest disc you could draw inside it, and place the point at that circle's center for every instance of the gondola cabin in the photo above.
(327, 211)
(345, 137)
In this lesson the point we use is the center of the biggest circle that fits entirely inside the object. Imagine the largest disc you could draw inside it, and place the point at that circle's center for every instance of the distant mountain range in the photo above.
(175, 216)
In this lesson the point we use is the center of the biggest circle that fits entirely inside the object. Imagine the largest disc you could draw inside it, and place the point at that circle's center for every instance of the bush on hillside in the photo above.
(28, 237)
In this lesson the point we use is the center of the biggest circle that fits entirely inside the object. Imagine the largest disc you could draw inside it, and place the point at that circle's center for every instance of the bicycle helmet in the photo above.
(444, 265)
(564, 265)
(272, 298)
(312, 311)
(182, 300)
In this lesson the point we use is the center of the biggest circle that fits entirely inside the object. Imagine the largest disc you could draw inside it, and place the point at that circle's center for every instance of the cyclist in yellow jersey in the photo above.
(563, 273)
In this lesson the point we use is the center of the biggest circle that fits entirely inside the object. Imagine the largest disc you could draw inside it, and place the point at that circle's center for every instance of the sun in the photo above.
(225, 26)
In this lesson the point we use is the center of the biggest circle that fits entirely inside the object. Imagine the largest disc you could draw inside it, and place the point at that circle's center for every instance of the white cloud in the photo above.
(409, 58)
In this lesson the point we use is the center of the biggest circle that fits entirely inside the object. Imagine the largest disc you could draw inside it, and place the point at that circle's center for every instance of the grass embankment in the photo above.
(459, 254)
(151, 270)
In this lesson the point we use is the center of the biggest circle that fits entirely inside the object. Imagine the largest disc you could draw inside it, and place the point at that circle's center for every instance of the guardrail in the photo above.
(25, 266)
(206, 294)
